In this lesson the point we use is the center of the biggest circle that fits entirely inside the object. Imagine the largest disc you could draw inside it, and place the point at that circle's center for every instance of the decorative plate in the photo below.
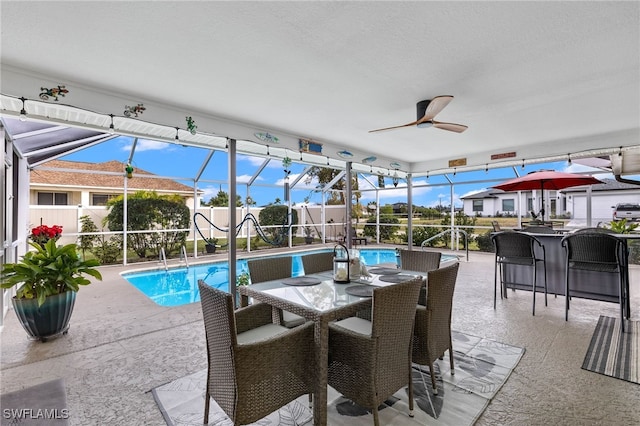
(267, 137)
(301, 281)
(345, 154)
(369, 159)
(360, 290)
(395, 165)
(396, 279)
(383, 271)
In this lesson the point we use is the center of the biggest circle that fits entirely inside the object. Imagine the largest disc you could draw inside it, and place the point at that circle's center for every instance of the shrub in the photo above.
(146, 212)
(484, 242)
(423, 233)
(387, 233)
(274, 215)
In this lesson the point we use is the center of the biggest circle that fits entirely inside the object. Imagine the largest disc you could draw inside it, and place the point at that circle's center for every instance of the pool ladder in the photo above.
(163, 259)
(183, 258)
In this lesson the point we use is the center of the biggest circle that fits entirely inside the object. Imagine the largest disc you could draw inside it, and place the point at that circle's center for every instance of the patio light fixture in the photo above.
(23, 112)
(112, 129)
(395, 179)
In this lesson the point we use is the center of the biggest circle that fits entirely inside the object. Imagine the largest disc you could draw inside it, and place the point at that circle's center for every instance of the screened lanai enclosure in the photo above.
(288, 87)
(32, 143)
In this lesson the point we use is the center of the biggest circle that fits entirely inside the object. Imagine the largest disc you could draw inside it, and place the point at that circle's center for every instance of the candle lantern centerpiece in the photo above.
(341, 264)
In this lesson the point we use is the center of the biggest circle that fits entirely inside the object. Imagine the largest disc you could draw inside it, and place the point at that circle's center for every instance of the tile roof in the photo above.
(86, 177)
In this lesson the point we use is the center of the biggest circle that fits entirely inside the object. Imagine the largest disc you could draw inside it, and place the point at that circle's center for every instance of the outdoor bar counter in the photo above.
(584, 284)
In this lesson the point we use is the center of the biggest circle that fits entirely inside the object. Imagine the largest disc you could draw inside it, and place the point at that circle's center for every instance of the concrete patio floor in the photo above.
(121, 345)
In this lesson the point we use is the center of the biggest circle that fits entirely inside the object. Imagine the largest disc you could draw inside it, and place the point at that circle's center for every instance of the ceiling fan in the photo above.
(427, 110)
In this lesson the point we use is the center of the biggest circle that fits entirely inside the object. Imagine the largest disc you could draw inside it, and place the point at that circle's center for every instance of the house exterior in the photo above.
(604, 197)
(60, 192)
(569, 203)
(92, 184)
(495, 202)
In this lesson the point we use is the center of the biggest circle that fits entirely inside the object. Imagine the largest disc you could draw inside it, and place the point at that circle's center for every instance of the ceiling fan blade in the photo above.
(394, 127)
(453, 127)
(436, 105)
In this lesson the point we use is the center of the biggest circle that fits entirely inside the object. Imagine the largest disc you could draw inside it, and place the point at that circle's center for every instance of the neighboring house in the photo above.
(60, 192)
(604, 197)
(569, 202)
(92, 184)
(495, 202)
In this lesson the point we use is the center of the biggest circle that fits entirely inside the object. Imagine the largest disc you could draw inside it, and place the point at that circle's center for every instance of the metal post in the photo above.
(231, 236)
(409, 212)
(348, 194)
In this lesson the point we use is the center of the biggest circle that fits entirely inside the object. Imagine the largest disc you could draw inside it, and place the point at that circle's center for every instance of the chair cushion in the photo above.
(290, 320)
(260, 333)
(594, 266)
(356, 324)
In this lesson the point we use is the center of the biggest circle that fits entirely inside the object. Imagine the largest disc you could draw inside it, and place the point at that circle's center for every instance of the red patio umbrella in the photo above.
(546, 179)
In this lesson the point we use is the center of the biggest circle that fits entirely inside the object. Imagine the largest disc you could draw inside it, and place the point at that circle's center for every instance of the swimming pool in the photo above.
(179, 286)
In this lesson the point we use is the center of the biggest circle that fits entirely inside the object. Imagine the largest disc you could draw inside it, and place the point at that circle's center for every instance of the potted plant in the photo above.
(308, 234)
(47, 279)
(210, 244)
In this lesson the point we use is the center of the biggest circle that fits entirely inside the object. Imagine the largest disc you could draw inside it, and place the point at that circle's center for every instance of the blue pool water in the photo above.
(179, 286)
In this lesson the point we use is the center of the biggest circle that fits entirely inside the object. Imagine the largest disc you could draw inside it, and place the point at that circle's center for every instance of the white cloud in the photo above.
(389, 192)
(300, 185)
(208, 192)
(147, 145)
(246, 178)
(257, 161)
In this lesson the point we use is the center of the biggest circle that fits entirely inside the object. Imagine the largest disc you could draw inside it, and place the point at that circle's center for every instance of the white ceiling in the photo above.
(543, 79)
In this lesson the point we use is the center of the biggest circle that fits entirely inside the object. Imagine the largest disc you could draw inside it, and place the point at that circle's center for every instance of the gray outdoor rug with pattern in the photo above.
(482, 366)
(614, 353)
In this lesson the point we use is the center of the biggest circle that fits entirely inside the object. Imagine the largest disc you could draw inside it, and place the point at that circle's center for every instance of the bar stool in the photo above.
(517, 248)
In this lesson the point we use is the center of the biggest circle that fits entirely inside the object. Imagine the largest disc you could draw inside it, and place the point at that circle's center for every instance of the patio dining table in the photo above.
(322, 302)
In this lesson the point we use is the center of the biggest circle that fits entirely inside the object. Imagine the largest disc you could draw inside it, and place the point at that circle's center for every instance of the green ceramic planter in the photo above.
(49, 320)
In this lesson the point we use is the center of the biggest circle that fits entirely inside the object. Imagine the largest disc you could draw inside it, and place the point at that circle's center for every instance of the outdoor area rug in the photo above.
(482, 366)
(614, 353)
(43, 404)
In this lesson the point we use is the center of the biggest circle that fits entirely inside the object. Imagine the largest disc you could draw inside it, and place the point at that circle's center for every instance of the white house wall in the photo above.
(493, 205)
(601, 206)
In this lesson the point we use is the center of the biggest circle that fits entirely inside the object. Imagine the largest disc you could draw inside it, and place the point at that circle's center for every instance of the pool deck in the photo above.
(121, 345)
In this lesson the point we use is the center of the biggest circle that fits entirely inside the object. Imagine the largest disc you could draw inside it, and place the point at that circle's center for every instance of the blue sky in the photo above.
(177, 162)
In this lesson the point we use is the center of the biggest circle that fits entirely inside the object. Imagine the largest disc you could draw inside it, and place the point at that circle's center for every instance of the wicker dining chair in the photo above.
(254, 366)
(274, 268)
(420, 261)
(317, 262)
(370, 360)
(517, 248)
(432, 330)
(597, 252)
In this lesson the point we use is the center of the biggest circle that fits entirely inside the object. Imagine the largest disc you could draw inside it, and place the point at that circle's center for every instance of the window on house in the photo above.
(101, 199)
(52, 198)
(529, 204)
(508, 205)
(478, 205)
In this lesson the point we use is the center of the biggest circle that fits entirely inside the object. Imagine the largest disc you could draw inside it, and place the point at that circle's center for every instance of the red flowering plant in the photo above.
(49, 269)
(43, 233)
